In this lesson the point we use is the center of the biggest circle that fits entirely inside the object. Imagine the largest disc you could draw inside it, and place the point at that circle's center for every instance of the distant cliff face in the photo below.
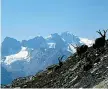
(10, 46)
(6, 77)
(35, 43)
(72, 73)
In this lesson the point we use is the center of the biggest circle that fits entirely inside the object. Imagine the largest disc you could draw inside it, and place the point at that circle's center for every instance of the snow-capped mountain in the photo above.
(30, 56)
(86, 41)
(70, 38)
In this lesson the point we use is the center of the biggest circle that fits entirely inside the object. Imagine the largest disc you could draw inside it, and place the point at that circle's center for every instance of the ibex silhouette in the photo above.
(100, 42)
(80, 49)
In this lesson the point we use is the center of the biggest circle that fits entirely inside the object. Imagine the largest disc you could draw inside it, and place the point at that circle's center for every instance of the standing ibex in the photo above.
(60, 61)
(80, 49)
(57, 66)
(100, 42)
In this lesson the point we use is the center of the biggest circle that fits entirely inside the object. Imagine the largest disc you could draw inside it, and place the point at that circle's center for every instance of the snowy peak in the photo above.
(53, 37)
(56, 41)
(70, 38)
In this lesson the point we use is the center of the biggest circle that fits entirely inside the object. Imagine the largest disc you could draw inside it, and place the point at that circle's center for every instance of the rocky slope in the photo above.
(88, 71)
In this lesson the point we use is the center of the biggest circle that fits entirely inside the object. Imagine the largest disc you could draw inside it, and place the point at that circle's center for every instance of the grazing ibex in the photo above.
(80, 49)
(100, 42)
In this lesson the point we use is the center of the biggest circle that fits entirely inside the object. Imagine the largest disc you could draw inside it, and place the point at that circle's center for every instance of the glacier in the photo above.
(23, 54)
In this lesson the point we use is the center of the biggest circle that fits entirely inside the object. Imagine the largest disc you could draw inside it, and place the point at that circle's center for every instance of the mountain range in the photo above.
(27, 57)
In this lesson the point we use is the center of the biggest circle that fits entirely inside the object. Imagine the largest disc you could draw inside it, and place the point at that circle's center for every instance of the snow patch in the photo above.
(48, 37)
(86, 41)
(71, 49)
(63, 39)
(22, 55)
(51, 45)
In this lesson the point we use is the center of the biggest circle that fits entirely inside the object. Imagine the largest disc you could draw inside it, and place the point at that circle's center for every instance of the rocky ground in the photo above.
(88, 71)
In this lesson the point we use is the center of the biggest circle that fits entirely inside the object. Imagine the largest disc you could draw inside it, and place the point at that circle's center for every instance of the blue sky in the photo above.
(23, 19)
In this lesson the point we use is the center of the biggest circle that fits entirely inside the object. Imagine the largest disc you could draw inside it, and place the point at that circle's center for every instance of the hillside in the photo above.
(72, 74)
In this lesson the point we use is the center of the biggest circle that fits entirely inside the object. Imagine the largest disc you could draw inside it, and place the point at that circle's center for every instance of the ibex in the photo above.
(55, 67)
(100, 42)
(60, 62)
(80, 49)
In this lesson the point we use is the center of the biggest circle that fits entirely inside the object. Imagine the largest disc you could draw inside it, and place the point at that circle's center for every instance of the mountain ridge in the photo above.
(38, 53)
(72, 74)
